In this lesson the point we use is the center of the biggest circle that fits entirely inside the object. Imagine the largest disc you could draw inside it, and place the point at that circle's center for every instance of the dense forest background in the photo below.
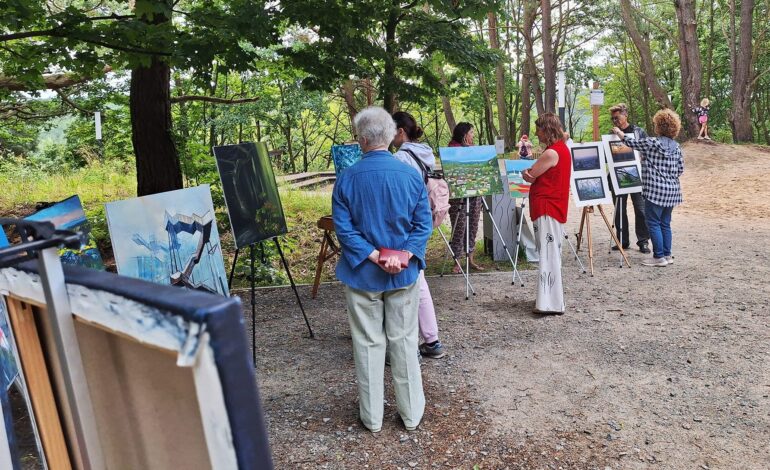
(171, 79)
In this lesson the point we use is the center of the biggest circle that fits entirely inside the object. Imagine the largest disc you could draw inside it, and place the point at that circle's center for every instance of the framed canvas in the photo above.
(620, 155)
(169, 238)
(588, 179)
(471, 171)
(345, 155)
(512, 169)
(69, 215)
(167, 373)
(251, 194)
(18, 429)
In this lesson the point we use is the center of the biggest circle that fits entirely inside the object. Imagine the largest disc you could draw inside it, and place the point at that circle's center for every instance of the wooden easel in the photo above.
(329, 249)
(585, 218)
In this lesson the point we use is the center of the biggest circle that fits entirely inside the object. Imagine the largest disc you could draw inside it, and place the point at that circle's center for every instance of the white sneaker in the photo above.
(656, 262)
(670, 259)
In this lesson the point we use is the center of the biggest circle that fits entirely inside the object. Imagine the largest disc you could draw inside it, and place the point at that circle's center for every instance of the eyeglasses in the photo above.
(615, 118)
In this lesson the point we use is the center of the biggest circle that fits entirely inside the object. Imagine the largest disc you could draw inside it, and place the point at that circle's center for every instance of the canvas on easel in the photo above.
(588, 179)
(251, 193)
(513, 169)
(624, 165)
(169, 238)
(345, 155)
(471, 171)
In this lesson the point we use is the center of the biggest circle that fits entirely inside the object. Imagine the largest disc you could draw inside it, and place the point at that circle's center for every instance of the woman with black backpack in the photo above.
(420, 157)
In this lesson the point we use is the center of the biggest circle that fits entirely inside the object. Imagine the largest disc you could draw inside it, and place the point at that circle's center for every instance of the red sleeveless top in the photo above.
(549, 194)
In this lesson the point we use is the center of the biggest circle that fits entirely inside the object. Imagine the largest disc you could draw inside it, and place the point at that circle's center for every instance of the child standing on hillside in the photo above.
(702, 112)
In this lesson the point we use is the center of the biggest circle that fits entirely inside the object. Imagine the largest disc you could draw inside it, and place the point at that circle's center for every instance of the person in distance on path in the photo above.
(377, 203)
(619, 114)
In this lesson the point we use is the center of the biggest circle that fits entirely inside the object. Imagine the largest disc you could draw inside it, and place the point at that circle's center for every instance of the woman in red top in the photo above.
(548, 202)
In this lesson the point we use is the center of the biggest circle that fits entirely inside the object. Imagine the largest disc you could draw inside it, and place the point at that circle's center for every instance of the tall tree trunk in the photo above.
(689, 62)
(529, 79)
(157, 161)
(446, 104)
(348, 94)
(389, 69)
(488, 113)
(549, 65)
(648, 67)
(709, 52)
(743, 66)
(502, 111)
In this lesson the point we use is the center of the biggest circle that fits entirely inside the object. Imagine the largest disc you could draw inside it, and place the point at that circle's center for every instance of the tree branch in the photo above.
(54, 81)
(211, 99)
(71, 103)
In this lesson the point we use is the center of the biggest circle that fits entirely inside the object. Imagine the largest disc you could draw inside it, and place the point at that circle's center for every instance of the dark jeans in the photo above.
(640, 225)
(659, 221)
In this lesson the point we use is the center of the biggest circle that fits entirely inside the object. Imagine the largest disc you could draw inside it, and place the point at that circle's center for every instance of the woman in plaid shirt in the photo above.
(662, 165)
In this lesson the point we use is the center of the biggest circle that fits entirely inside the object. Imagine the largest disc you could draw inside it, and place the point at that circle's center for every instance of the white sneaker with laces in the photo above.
(670, 259)
(656, 262)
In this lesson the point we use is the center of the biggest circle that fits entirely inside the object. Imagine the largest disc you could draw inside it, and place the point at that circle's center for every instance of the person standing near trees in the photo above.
(619, 114)
(381, 203)
(548, 205)
(702, 112)
(420, 157)
(462, 136)
(525, 148)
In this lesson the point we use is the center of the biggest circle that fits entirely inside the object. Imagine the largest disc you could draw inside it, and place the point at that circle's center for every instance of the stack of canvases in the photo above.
(139, 375)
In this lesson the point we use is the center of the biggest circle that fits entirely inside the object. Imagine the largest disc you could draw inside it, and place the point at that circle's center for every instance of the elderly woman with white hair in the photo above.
(380, 203)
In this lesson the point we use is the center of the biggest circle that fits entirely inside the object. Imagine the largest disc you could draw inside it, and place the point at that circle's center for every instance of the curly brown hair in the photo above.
(551, 126)
(667, 123)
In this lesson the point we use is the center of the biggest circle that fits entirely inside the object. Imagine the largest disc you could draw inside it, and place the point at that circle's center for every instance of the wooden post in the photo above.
(595, 112)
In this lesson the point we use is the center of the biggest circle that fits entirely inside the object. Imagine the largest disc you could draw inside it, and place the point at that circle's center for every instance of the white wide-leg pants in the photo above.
(550, 291)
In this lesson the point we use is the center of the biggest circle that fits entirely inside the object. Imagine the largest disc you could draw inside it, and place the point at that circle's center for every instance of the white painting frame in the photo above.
(589, 181)
(626, 186)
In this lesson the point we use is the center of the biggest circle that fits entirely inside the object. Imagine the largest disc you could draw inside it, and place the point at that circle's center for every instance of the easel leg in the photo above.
(319, 266)
(607, 222)
(253, 279)
(505, 247)
(232, 268)
(293, 286)
(467, 245)
(450, 251)
(454, 258)
(621, 246)
(590, 241)
(574, 252)
(583, 218)
(518, 242)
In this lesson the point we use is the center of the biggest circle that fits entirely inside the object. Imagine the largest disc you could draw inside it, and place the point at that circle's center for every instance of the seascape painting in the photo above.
(517, 187)
(586, 157)
(344, 156)
(471, 171)
(169, 238)
(589, 189)
(69, 215)
(251, 193)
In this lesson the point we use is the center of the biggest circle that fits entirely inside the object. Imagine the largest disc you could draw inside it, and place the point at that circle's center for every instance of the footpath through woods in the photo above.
(649, 367)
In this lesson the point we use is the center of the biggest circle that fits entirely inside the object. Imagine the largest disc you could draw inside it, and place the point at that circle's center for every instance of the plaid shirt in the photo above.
(662, 165)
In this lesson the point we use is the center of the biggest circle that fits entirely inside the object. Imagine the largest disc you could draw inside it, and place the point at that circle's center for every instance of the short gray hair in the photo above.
(375, 125)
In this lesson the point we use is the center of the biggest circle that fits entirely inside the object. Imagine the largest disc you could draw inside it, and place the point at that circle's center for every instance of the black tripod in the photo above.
(252, 253)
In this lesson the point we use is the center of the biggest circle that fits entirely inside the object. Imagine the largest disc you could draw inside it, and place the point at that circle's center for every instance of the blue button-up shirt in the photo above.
(380, 203)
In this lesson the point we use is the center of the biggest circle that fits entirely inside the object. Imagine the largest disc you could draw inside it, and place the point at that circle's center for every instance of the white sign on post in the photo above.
(98, 123)
(597, 97)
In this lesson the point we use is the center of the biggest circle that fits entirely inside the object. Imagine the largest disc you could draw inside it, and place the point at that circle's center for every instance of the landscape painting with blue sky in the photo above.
(517, 187)
(471, 171)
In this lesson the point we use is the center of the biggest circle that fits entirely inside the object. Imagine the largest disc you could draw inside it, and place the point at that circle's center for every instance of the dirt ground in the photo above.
(649, 368)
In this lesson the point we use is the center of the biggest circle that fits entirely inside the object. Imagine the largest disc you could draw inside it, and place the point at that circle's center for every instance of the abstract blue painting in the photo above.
(345, 156)
(169, 238)
(69, 215)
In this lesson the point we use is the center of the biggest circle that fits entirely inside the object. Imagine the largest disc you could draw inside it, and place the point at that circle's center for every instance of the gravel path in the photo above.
(650, 367)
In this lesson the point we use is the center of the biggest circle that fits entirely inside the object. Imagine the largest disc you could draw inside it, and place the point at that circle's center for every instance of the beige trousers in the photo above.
(376, 319)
